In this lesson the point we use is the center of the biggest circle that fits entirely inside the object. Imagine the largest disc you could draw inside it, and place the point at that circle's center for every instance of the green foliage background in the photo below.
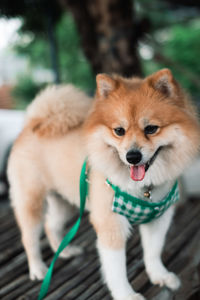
(181, 48)
(73, 66)
(174, 38)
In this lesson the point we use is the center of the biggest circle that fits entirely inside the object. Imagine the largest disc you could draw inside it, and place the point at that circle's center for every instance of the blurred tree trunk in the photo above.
(108, 33)
(52, 43)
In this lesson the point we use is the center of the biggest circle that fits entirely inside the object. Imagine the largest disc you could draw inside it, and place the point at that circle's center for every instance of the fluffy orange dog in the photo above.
(139, 133)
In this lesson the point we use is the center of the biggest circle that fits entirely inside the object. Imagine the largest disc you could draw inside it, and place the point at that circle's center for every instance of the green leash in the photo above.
(70, 235)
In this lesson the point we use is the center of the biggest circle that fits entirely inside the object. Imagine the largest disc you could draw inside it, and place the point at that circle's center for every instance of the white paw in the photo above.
(38, 271)
(70, 251)
(169, 279)
(134, 297)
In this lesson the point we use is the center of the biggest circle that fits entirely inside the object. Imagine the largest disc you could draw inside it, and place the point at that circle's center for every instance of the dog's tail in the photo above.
(57, 109)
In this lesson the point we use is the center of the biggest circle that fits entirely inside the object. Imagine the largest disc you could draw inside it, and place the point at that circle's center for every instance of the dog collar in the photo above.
(139, 211)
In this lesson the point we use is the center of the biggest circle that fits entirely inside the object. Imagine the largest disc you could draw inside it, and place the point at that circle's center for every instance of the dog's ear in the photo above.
(105, 85)
(164, 82)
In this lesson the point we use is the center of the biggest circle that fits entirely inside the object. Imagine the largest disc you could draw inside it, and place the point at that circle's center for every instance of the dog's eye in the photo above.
(120, 131)
(150, 129)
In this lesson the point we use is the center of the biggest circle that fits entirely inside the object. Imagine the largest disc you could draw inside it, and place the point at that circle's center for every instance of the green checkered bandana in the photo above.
(140, 211)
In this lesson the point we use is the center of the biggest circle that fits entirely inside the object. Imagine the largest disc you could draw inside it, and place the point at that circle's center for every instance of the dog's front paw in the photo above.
(71, 251)
(134, 297)
(38, 271)
(168, 279)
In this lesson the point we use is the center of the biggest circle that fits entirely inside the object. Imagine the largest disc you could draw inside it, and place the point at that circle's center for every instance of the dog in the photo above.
(140, 134)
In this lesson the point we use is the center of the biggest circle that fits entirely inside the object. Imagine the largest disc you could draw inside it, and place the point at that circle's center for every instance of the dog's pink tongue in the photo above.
(138, 172)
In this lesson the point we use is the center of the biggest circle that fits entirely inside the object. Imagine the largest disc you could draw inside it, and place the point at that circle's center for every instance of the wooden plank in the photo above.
(79, 238)
(79, 278)
(68, 268)
(74, 286)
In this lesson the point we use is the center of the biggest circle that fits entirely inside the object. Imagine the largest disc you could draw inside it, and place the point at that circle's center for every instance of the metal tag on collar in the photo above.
(147, 194)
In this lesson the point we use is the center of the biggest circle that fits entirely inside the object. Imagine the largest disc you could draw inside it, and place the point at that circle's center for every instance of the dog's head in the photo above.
(144, 128)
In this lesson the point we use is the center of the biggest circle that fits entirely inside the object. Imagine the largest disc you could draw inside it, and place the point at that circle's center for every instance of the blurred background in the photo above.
(70, 41)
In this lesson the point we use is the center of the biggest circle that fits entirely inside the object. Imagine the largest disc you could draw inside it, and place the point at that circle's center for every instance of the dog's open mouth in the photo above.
(137, 172)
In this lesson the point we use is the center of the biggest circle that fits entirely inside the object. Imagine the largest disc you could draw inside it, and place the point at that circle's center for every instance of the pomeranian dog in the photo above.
(140, 134)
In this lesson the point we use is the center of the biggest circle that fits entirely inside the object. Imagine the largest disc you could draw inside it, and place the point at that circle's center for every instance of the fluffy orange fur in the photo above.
(56, 110)
(134, 98)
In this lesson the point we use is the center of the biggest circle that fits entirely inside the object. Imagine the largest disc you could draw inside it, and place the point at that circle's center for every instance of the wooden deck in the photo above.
(79, 278)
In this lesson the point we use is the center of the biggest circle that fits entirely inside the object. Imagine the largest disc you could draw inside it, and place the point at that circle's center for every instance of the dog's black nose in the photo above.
(134, 156)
